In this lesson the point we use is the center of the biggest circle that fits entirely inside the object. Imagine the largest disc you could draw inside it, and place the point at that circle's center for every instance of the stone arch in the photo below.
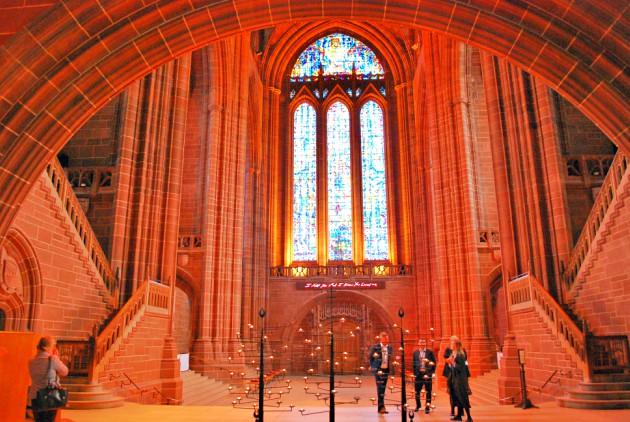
(278, 62)
(291, 330)
(340, 296)
(20, 282)
(496, 303)
(188, 286)
(65, 66)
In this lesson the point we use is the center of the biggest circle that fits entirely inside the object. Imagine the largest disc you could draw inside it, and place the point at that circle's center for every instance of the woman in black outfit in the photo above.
(458, 386)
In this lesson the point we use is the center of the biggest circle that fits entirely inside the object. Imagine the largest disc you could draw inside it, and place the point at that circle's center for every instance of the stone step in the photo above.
(95, 404)
(599, 395)
(204, 391)
(485, 389)
(605, 386)
(90, 395)
(593, 404)
(610, 378)
(82, 387)
(199, 390)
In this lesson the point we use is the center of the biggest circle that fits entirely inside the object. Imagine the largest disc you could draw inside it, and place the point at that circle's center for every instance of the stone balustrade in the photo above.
(608, 192)
(74, 210)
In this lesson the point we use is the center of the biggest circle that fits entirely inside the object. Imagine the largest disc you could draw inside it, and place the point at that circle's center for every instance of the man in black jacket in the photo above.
(423, 369)
(380, 359)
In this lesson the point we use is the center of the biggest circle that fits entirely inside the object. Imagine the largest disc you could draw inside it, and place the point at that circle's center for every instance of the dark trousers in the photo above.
(381, 385)
(428, 387)
(45, 416)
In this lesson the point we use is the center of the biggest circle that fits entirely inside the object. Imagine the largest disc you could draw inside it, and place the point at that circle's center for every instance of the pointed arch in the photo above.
(304, 165)
(22, 290)
(374, 182)
(339, 178)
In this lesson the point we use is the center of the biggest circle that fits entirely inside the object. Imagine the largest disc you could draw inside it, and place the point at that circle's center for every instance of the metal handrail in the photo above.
(142, 390)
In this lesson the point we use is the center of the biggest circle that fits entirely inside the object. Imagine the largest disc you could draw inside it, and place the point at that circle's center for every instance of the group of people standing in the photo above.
(455, 371)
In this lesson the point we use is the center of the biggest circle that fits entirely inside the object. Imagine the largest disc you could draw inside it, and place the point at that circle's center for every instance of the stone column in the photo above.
(463, 310)
(226, 165)
(509, 379)
(172, 384)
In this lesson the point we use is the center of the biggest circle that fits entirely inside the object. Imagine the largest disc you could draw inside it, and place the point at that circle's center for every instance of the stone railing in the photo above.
(607, 194)
(149, 297)
(189, 241)
(525, 292)
(90, 179)
(159, 296)
(488, 239)
(84, 229)
(588, 170)
(520, 293)
(298, 272)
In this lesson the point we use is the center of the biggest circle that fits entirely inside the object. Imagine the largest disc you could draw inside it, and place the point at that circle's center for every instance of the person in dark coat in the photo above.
(423, 370)
(459, 387)
(446, 373)
(381, 355)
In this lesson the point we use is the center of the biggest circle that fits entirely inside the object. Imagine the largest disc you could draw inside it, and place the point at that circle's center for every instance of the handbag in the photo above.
(51, 397)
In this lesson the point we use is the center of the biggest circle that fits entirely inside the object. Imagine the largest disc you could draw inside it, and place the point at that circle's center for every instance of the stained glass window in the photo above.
(304, 183)
(374, 192)
(340, 57)
(336, 54)
(339, 183)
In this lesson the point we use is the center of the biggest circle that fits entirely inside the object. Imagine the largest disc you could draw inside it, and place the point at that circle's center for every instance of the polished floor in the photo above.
(317, 411)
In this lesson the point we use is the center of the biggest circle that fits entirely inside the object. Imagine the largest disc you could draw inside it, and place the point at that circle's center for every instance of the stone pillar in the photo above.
(226, 165)
(150, 166)
(462, 300)
(510, 373)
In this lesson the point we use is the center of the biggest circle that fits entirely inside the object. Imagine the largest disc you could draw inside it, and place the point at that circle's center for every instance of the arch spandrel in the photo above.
(135, 39)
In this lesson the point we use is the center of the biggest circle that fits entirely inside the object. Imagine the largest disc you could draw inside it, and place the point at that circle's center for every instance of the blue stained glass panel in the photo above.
(337, 54)
(304, 183)
(339, 183)
(374, 193)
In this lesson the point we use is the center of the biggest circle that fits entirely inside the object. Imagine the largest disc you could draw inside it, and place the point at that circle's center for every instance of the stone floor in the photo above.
(317, 411)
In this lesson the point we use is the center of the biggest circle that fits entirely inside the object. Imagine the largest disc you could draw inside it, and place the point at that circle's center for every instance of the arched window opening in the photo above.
(375, 222)
(304, 183)
(339, 183)
(338, 85)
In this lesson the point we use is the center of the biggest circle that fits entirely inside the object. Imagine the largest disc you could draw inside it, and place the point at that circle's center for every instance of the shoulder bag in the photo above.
(53, 396)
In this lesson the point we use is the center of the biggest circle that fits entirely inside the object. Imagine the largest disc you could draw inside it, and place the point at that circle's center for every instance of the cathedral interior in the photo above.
(193, 183)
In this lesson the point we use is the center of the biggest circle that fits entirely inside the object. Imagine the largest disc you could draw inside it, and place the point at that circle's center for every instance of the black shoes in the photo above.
(383, 410)
(417, 409)
(427, 410)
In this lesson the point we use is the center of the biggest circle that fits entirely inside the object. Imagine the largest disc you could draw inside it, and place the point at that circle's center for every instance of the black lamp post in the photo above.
(331, 414)
(403, 388)
(525, 403)
(259, 413)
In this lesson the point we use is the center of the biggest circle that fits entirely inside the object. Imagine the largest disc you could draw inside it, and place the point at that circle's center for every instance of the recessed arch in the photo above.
(21, 307)
(65, 66)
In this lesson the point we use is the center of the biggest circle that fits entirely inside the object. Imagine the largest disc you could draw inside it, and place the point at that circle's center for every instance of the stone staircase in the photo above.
(199, 390)
(485, 389)
(83, 395)
(602, 392)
